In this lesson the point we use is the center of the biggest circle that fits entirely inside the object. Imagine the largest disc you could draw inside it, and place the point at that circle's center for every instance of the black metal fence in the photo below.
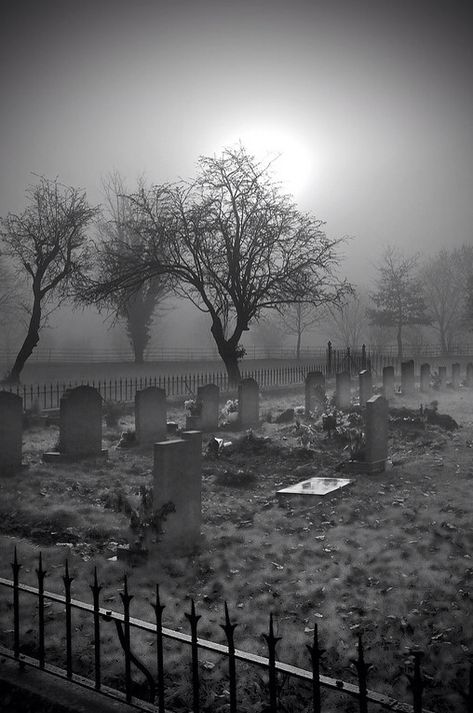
(317, 686)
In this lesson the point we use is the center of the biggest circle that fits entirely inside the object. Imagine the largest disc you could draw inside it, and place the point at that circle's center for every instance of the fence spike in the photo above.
(416, 681)
(316, 654)
(229, 630)
(158, 609)
(95, 587)
(126, 598)
(193, 619)
(271, 641)
(41, 574)
(16, 566)
(67, 579)
(362, 669)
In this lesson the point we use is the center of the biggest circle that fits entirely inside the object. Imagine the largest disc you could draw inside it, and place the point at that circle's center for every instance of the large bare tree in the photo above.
(48, 245)
(234, 245)
(399, 297)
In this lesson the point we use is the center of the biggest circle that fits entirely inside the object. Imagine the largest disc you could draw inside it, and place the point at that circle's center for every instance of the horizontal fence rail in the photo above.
(155, 680)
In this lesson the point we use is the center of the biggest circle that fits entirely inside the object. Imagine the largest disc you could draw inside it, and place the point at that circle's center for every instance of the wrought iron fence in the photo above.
(317, 684)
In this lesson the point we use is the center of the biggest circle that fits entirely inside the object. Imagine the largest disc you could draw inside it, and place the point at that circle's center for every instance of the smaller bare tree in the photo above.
(48, 245)
(348, 321)
(297, 319)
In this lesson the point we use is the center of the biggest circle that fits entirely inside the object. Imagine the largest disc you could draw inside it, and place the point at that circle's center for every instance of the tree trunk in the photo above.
(139, 352)
(298, 346)
(227, 348)
(399, 341)
(31, 340)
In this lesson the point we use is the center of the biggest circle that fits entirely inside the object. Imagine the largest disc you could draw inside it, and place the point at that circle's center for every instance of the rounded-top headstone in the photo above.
(80, 422)
(11, 430)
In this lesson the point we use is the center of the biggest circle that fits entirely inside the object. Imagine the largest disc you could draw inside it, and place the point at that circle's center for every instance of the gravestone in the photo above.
(469, 374)
(388, 382)
(150, 415)
(11, 431)
(376, 434)
(407, 377)
(442, 376)
(366, 386)
(425, 378)
(456, 375)
(343, 390)
(313, 486)
(208, 396)
(177, 484)
(248, 403)
(314, 391)
(80, 423)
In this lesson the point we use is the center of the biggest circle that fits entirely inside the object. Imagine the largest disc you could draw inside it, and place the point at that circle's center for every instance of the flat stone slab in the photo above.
(315, 486)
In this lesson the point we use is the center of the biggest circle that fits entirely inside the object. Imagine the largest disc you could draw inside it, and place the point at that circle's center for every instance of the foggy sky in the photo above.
(376, 97)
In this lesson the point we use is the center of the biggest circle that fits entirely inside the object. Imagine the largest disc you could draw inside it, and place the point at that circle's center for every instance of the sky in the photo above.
(370, 104)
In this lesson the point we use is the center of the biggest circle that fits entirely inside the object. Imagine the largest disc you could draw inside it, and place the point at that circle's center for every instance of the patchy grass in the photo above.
(389, 555)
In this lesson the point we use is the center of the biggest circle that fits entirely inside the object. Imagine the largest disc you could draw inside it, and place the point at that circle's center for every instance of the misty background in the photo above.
(369, 104)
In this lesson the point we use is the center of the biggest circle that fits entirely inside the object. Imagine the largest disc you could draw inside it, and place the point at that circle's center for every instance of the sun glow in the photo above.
(293, 161)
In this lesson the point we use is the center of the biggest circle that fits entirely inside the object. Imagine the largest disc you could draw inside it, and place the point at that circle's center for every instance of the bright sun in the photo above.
(293, 165)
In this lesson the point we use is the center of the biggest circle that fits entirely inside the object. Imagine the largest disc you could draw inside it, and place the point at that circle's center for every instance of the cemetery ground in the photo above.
(389, 555)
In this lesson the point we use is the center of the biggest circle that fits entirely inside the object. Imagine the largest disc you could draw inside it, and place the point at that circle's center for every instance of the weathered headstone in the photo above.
(177, 487)
(442, 376)
(366, 386)
(425, 378)
(80, 423)
(314, 391)
(388, 382)
(11, 431)
(469, 374)
(343, 390)
(456, 375)
(208, 396)
(407, 377)
(376, 434)
(248, 403)
(150, 415)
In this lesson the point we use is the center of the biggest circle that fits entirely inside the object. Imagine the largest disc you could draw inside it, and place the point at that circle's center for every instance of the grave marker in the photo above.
(150, 415)
(11, 431)
(366, 386)
(407, 377)
(388, 382)
(376, 434)
(343, 390)
(80, 423)
(248, 403)
(469, 374)
(314, 391)
(443, 376)
(425, 378)
(456, 379)
(208, 396)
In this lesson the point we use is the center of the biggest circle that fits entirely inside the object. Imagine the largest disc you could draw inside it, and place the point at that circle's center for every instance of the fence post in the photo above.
(95, 587)
(126, 599)
(158, 609)
(41, 574)
(315, 655)
(417, 683)
(362, 669)
(229, 629)
(67, 587)
(193, 619)
(271, 641)
(329, 358)
(16, 606)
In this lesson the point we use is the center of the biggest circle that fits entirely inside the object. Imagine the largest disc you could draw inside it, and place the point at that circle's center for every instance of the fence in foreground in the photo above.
(153, 688)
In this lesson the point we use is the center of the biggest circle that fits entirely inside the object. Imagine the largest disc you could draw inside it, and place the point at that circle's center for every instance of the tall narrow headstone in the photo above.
(407, 377)
(443, 376)
(80, 422)
(366, 386)
(388, 382)
(150, 415)
(177, 481)
(343, 390)
(469, 374)
(456, 375)
(11, 431)
(208, 396)
(248, 403)
(376, 434)
(314, 391)
(425, 378)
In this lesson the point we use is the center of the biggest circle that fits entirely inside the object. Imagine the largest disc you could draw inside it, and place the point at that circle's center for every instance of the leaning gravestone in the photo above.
(208, 396)
(469, 374)
(314, 391)
(80, 425)
(248, 403)
(177, 488)
(150, 415)
(388, 382)
(376, 434)
(407, 377)
(443, 376)
(425, 378)
(343, 390)
(11, 431)
(366, 386)
(456, 375)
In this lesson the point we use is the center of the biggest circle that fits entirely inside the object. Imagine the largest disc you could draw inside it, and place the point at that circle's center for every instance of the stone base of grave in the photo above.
(312, 487)
(359, 466)
(57, 457)
(172, 427)
(132, 556)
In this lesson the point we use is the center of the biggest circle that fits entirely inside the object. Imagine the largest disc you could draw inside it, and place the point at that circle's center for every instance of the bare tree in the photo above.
(47, 242)
(444, 278)
(398, 299)
(234, 245)
(297, 319)
(118, 232)
(346, 322)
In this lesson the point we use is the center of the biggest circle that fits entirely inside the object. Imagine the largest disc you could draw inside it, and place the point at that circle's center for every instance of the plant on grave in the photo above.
(357, 445)
(146, 519)
(112, 410)
(193, 407)
(230, 407)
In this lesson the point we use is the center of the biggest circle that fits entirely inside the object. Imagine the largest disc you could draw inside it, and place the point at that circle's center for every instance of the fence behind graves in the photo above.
(57, 615)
